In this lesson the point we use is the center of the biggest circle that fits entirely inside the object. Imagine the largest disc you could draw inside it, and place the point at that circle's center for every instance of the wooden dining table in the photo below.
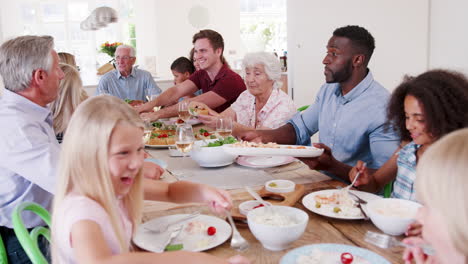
(320, 229)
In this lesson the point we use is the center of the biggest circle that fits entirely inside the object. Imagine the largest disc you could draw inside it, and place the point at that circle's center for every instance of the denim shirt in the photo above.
(29, 153)
(136, 86)
(351, 125)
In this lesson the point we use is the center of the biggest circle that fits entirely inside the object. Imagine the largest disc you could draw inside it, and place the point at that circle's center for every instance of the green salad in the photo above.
(220, 142)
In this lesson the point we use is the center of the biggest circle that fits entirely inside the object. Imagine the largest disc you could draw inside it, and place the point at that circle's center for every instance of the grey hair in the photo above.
(269, 61)
(132, 49)
(21, 56)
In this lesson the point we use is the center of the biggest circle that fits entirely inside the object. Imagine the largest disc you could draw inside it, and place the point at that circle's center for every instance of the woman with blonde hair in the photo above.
(441, 186)
(71, 94)
(65, 57)
(263, 104)
(99, 197)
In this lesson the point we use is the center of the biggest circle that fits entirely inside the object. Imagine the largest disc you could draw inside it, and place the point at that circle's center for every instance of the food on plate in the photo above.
(318, 256)
(198, 110)
(273, 184)
(174, 247)
(220, 142)
(339, 202)
(134, 102)
(162, 134)
(273, 218)
(211, 231)
(196, 227)
(247, 144)
(203, 134)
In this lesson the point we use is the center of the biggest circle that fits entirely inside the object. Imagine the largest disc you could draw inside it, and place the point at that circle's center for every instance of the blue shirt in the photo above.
(404, 187)
(351, 125)
(29, 153)
(135, 86)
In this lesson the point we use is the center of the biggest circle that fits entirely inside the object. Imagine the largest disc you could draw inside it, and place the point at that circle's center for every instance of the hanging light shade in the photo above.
(99, 18)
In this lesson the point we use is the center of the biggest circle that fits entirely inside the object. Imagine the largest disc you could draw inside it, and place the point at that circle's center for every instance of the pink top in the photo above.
(278, 109)
(75, 208)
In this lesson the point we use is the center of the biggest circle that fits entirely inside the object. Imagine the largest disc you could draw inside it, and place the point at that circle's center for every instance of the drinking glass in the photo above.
(184, 139)
(224, 127)
(147, 130)
(184, 113)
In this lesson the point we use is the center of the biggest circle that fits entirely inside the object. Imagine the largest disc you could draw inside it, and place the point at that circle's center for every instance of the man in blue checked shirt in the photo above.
(127, 82)
(349, 111)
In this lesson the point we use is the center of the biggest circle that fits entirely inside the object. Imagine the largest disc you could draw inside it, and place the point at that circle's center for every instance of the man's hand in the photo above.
(147, 107)
(151, 116)
(152, 170)
(323, 162)
(251, 135)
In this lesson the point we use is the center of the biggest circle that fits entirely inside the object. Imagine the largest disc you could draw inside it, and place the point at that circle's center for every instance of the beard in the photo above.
(340, 75)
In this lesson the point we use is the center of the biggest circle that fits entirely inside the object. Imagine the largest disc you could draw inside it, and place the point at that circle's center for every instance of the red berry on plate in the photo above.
(205, 134)
(347, 258)
(211, 230)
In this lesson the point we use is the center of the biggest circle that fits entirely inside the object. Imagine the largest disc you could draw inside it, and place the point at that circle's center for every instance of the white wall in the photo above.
(449, 35)
(400, 29)
(165, 33)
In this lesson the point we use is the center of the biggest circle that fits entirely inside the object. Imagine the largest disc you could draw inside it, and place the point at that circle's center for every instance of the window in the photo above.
(61, 19)
(263, 25)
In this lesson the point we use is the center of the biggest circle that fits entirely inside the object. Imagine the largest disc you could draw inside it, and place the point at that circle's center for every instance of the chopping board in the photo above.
(286, 199)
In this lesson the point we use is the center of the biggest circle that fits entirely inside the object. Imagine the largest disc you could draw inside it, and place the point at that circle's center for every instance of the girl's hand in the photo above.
(238, 259)
(414, 229)
(218, 200)
(364, 177)
(415, 254)
(152, 170)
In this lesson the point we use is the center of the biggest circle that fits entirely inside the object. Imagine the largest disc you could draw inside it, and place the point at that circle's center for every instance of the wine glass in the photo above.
(224, 127)
(184, 139)
(184, 113)
(147, 130)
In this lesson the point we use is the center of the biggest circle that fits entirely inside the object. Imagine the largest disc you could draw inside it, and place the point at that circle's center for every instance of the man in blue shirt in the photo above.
(127, 82)
(349, 110)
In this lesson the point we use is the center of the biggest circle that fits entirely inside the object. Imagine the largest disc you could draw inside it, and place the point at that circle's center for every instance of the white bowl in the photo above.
(210, 156)
(392, 216)
(274, 237)
(247, 206)
(280, 186)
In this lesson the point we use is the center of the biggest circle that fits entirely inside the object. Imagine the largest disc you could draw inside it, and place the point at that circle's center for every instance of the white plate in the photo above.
(283, 150)
(309, 202)
(212, 165)
(333, 251)
(173, 121)
(264, 161)
(159, 146)
(192, 242)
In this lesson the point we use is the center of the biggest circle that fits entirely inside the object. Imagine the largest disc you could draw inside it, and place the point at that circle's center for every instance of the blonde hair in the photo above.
(441, 180)
(65, 57)
(71, 94)
(83, 166)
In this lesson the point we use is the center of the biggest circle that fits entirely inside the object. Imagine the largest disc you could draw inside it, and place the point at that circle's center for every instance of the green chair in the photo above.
(388, 189)
(302, 108)
(3, 254)
(29, 241)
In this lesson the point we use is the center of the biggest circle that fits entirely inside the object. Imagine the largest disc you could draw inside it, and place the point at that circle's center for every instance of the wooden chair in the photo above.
(29, 241)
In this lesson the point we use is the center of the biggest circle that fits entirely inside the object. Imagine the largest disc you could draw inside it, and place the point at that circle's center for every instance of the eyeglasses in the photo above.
(123, 58)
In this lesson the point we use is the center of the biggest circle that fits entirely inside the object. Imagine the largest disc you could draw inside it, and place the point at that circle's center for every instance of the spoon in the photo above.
(256, 196)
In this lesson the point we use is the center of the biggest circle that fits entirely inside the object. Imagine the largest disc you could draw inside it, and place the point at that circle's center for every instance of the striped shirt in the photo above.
(403, 186)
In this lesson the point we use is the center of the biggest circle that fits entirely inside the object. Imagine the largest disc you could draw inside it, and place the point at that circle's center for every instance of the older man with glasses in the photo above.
(127, 82)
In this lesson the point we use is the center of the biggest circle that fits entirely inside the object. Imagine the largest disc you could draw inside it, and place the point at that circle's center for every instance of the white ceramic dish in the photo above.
(283, 150)
(247, 206)
(192, 242)
(309, 202)
(392, 216)
(211, 156)
(261, 162)
(280, 186)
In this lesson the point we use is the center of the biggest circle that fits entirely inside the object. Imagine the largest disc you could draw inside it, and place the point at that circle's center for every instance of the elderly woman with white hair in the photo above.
(263, 104)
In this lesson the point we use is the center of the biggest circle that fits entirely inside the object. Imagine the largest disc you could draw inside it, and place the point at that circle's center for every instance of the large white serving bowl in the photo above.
(210, 156)
(274, 237)
(392, 216)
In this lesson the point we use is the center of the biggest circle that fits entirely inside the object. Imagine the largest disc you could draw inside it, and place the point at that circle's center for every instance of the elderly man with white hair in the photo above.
(127, 82)
(263, 104)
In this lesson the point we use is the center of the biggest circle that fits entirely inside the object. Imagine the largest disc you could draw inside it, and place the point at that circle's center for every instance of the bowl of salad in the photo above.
(209, 153)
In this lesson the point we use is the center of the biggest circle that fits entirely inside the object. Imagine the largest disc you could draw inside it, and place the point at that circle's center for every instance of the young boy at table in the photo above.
(99, 195)
(181, 69)
(441, 186)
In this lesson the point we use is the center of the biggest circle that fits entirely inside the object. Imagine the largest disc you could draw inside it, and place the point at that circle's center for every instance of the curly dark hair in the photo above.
(183, 65)
(443, 95)
(360, 38)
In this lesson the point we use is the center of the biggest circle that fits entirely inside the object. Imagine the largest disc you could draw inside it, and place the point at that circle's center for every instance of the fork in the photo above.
(163, 228)
(237, 241)
(386, 241)
(360, 201)
(174, 233)
(357, 176)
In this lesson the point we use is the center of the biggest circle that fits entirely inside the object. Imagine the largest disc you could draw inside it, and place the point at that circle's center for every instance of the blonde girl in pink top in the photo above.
(263, 104)
(100, 190)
